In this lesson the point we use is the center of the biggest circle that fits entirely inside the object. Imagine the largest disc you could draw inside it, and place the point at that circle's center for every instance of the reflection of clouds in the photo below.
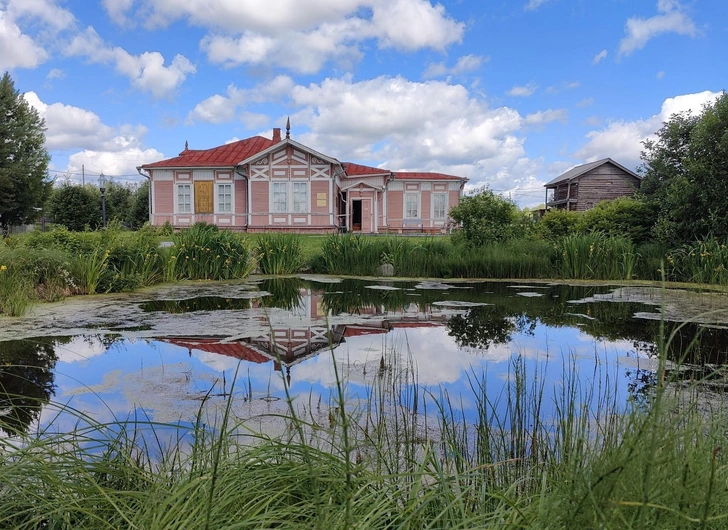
(80, 348)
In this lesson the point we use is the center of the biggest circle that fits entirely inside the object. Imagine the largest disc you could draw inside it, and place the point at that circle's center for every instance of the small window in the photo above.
(224, 198)
(412, 205)
(439, 205)
(184, 198)
(589, 205)
(300, 197)
(280, 197)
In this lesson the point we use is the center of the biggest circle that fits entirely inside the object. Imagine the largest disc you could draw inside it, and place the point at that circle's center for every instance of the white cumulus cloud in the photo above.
(465, 64)
(622, 140)
(671, 18)
(146, 71)
(18, 50)
(598, 58)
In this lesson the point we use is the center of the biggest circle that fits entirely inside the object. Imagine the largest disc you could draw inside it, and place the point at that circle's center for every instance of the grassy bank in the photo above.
(596, 464)
(52, 265)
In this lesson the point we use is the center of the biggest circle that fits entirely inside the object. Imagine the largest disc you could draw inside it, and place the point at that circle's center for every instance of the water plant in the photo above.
(596, 256)
(279, 253)
(15, 291)
(204, 252)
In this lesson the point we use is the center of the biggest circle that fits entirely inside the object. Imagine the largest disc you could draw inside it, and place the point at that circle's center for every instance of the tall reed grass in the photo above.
(15, 291)
(409, 459)
(279, 254)
(203, 252)
(595, 256)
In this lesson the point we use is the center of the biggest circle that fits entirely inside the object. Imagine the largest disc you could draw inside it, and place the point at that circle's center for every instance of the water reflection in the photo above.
(446, 332)
(26, 382)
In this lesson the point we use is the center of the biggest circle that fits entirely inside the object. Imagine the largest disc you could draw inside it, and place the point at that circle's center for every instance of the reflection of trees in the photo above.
(485, 326)
(285, 293)
(201, 303)
(26, 382)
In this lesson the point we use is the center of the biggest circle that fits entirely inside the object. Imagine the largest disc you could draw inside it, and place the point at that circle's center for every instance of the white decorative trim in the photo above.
(187, 175)
(224, 175)
(262, 162)
(426, 186)
(318, 161)
(454, 186)
(412, 187)
(279, 219)
(395, 186)
(216, 192)
(176, 197)
(162, 175)
(203, 174)
(440, 187)
(299, 219)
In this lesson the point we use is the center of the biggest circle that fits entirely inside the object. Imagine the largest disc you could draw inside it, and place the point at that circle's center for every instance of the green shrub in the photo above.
(556, 224)
(486, 218)
(700, 262)
(624, 217)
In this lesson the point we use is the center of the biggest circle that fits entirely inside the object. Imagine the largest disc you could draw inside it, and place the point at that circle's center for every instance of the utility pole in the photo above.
(83, 175)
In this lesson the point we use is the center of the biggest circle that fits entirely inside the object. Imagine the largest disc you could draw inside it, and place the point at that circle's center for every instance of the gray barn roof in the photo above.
(580, 170)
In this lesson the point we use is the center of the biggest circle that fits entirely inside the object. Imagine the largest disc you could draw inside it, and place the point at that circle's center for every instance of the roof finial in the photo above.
(288, 128)
(186, 146)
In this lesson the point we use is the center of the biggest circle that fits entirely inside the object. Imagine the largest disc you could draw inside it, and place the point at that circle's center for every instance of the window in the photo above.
(300, 197)
(439, 205)
(184, 198)
(412, 205)
(280, 197)
(225, 198)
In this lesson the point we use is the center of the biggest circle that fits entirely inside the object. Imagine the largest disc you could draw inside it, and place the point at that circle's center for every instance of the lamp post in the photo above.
(102, 189)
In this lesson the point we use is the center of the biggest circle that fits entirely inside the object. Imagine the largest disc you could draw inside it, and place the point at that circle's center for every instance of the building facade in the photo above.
(260, 184)
(582, 187)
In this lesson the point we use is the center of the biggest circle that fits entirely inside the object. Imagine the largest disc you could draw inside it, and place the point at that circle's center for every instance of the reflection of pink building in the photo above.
(258, 185)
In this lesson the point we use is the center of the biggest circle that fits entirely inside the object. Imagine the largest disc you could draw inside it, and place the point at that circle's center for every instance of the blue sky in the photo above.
(509, 94)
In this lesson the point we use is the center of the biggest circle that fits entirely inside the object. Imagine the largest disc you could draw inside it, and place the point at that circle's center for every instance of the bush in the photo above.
(557, 224)
(486, 218)
(623, 217)
(75, 207)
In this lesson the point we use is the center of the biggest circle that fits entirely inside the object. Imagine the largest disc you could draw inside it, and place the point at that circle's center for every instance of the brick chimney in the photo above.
(276, 134)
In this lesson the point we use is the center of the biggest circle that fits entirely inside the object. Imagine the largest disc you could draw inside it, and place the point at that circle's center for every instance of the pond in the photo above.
(164, 354)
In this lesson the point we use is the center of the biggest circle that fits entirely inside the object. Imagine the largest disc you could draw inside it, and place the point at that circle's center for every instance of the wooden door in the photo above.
(204, 200)
(366, 216)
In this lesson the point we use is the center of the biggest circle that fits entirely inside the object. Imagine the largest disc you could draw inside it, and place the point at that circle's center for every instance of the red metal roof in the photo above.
(359, 169)
(424, 175)
(238, 350)
(226, 155)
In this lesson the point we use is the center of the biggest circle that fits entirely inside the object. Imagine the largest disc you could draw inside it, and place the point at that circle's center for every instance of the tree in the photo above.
(686, 175)
(623, 217)
(24, 184)
(486, 218)
(76, 207)
(139, 211)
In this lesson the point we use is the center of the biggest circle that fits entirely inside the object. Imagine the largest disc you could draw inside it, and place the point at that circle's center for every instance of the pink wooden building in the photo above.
(260, 184)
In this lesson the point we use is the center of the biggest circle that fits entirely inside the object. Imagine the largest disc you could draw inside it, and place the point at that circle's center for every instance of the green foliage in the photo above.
(704, 261)
(75, 207)
(24, 186)
(138, 213)
(623, 217)
(685, 175)
(596, 256)
(89, 268)
(203, 252)
(279, 253)
(15, 291)
(556, 224)
(486, 218)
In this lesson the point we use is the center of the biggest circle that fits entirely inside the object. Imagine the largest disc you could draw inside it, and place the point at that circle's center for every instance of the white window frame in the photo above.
(181, 207)
(300, 206)
(418, 200)
(275, 204)
(444, 195)
(219, 203)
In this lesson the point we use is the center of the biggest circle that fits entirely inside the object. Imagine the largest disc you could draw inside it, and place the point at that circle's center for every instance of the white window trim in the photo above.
(176, 198)
(232, 197)
(307, 201)
(289, 197)
(432, 202)
(419, 204)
